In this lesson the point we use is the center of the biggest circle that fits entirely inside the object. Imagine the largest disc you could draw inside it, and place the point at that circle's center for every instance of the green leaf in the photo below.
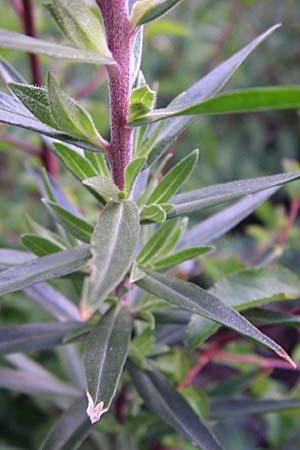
(34, 336)
(159, 136)
(8, 73)
(105, 186)
(12, 111)
(69, 116)
(145, 11)
(136, 56)
(174, 179)
(180, 257)
(221, 409)
(71, 429)
(39, 245)
(77, 164)
(35, 99)
(154, 213)
(42, 269)
(80, 25)
(132, 171)
(155, 242)
(104, 356)
(220, 223)
(198, 301)
(243, 290)
(171, 407)
(113, 245)
(17, 41)
(188, 202)
(142, 101)
(247, 100)
(98, 162)
(78, 227)
(263, 316)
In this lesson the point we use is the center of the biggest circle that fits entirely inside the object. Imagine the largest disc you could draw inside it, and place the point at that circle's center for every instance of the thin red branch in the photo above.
(91, 85)
(294, 209)
(31, 149)
(269, 363)
(18, 7)
(49, 160)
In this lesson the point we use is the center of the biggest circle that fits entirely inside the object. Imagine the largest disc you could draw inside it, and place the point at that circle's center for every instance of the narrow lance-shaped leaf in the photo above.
(71, 429)
(159, 136)
(75, 162)
(69, 116)
(39, 245)
(247, 100)
(180, 257)
(113, 245)
(17, 41)
(221, 408)
(220, 223)
(36, 100)
(195, 299)
(188, 202)
(78, 227)
(105, 186)
(8, 73)
(42, 269)
(36, 336)
(168, 404)
(145, 11)
(242, 290)
(174, 179)
(104, 356)
(80, 25)
(132, 171)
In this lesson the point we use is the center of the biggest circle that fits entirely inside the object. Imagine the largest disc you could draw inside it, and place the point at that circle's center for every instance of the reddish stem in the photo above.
(49, 160)
(294, 209)
(32, 150)
(119, 38)
(270, 363)
(18, 7)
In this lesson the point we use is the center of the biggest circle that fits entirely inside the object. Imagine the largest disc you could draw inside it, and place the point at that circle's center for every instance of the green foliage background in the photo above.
(178, 50)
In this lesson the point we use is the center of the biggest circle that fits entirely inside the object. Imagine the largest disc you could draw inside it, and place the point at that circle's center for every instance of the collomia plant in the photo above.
(131, 305)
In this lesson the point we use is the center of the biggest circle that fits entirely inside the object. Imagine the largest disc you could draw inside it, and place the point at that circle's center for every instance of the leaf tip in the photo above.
(95, 411)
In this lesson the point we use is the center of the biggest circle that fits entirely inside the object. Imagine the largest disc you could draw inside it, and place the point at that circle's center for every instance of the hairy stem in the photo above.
(119, 39)
(49, 160)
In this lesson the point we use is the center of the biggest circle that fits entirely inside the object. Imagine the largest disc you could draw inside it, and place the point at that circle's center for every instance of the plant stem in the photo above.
(49, 160)
(119, 38)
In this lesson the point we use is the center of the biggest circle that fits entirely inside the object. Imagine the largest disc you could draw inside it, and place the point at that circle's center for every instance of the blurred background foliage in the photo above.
(179, 49)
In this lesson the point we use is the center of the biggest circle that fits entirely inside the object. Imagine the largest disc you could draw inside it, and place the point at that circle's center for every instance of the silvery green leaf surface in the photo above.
(9, 257)
(35, 99)
(69, 116)
(70, 430)
(105, 352)
(105, 186)
(174, 179)
(57, 391)
(159, 136)
(156, 241)
(113, 245)
(247, 100)
(179, 257)
(145, 11)
(154, 213)
(132, 171)
(42, 269)
(36, 336)
(171, 407)
(220, 223)
(17, 41)
(201, 302)
(98, 162)
(80, 25)
(39, 245)
(142, 100)
(136, 56)
(242, 290)
(197, 199)
(77, 164)
(78, 227)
